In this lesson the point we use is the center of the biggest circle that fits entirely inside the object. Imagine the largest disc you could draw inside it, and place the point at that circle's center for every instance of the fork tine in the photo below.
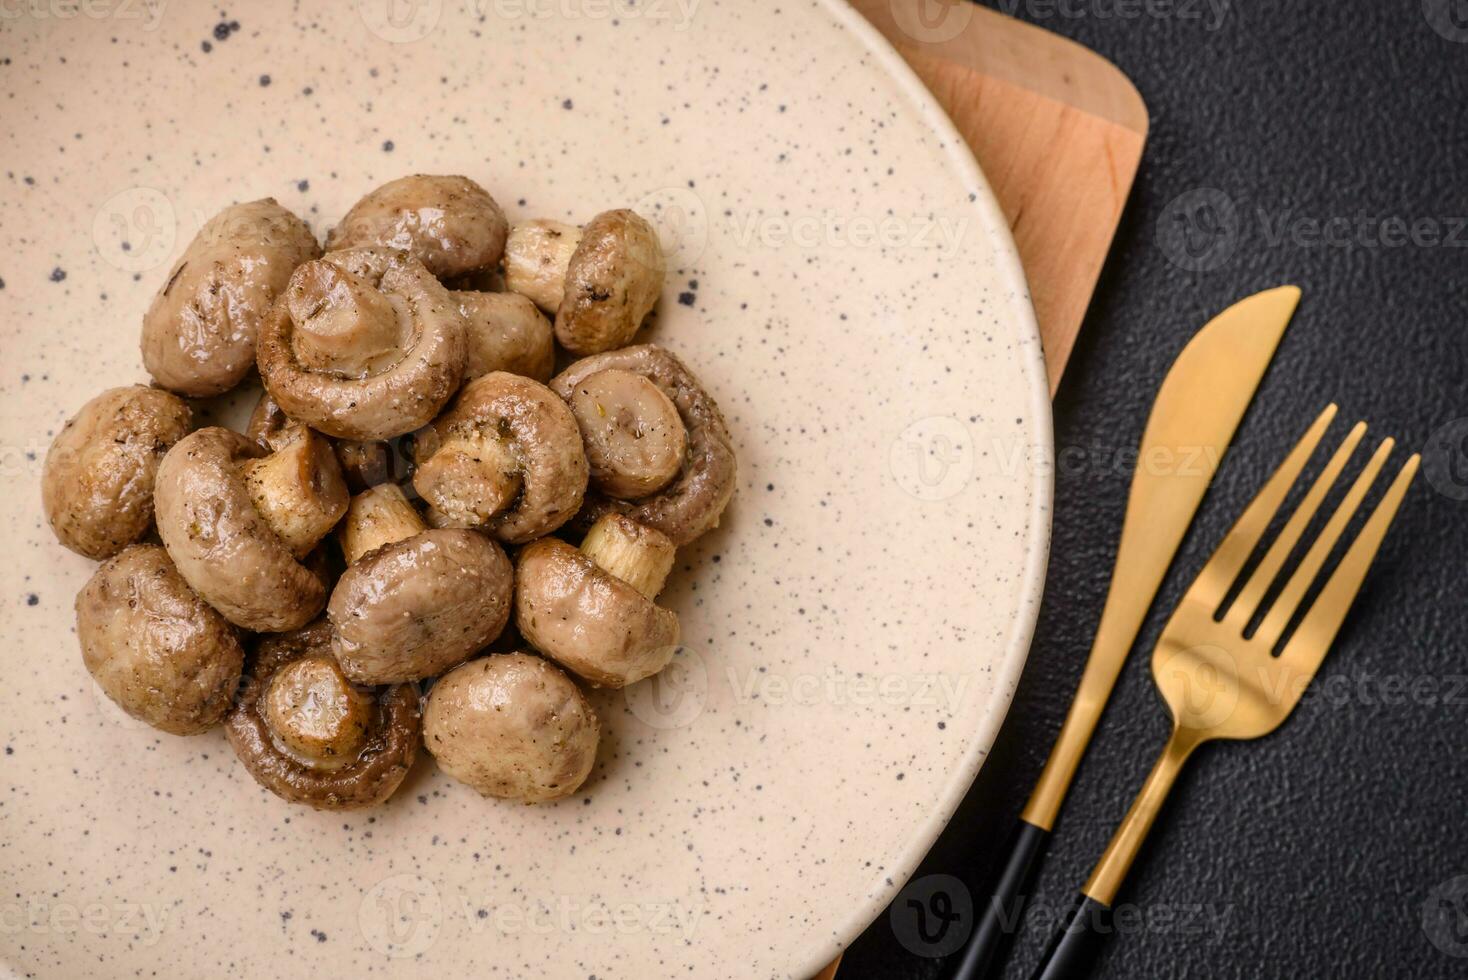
(1228, 560)
(1288, 601)
(1247, 602)
(1307, 648)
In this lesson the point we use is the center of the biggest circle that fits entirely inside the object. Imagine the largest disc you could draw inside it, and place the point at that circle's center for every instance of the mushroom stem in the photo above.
(537, 255)
(638, 555)
(343, 323)
(378, 517)
(298, 490)
(315, 715)
(471, 477)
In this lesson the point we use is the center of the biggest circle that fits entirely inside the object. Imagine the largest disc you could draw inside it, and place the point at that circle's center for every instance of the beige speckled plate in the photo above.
(846, 287)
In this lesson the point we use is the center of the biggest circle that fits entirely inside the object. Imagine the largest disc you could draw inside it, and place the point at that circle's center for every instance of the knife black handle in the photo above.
(998, 919)
(1072, 953)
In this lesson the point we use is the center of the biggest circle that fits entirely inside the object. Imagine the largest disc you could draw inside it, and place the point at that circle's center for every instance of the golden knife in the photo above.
(1197, 410)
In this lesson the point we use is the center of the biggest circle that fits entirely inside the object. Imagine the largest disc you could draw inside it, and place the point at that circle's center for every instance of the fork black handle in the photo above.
(1072, 953)
(998, 920)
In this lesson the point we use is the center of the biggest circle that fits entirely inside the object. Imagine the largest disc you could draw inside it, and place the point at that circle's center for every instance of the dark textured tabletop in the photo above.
(1331, 142)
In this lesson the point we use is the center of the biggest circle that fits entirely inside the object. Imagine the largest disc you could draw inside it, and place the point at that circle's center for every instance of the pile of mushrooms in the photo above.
(424, 535)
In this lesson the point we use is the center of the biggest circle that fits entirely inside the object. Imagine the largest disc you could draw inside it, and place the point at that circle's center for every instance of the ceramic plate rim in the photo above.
(1007, 671)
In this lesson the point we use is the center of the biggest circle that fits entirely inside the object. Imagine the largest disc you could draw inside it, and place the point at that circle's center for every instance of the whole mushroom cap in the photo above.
(155, 647)
(399, 390)
(588, 621)
(693, 503)
(199, 332)
(449, 223)
(512, 726)
(97, 481)
(221, 544)
(416, 607)
(389, 747)
(612, 282)
(541, 435)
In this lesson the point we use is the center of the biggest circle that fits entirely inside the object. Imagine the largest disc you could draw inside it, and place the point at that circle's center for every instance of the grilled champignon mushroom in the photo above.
(97, 481)
(448, 223)
(298, 490)
(506, 333)
(199, 333)
(600, 281)
(695, 500)
(155, 647)
(591, 610)
(512, 726)
(236, 522)
(414, 601)
(310, 736)
(506, 457)
(363, 464)
(635, 440)
(365, 344)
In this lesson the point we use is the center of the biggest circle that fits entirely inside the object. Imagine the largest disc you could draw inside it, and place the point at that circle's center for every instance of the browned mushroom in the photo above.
(413, 601)
(155, 647)
(635, 439)
(199, 333)
(512, 726)
(600, 281)
(236, 522)
(506, 333)
(363, 464)
(365, 344)
(592, 610)
(448, 223)
(97, 481)
(695, 500)
(310, 736)
(506, 457)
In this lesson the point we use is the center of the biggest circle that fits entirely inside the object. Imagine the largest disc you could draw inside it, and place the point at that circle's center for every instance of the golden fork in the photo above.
(1219, 680)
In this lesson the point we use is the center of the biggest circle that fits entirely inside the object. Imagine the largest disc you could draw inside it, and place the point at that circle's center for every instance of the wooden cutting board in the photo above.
(1058, 131)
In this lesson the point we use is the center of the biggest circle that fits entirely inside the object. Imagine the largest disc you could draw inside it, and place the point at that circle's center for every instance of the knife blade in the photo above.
(1193, 419)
